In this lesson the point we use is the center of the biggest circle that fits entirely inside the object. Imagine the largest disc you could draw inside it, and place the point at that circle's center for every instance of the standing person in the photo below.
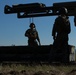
(32, 34)
(60, 32)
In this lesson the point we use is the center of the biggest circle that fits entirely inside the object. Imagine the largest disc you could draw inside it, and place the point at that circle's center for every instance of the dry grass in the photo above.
(37, 69)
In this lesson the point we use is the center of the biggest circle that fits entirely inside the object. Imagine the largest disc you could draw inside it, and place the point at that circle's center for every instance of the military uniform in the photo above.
(60, 32)
(33, 37)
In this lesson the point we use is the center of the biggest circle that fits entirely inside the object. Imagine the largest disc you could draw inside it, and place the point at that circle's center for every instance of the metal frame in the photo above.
(25, 12)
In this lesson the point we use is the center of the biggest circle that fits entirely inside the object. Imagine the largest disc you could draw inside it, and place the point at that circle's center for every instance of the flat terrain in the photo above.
(18, 68)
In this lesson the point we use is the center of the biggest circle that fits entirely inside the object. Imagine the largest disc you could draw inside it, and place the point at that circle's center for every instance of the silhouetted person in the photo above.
(32, 34)
(60, 32)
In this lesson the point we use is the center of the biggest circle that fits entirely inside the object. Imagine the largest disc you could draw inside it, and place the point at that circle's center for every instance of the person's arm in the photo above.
(38, 38)
(27, 33)
(67, 26)
(56, 27)
(54, 31)
(39, 41)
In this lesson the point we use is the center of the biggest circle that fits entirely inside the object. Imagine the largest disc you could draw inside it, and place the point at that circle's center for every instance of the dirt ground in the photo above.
(37, 69)
(51, 72)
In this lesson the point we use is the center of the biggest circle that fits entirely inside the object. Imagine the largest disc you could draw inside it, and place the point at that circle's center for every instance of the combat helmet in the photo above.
(32, 24)
(63, 10)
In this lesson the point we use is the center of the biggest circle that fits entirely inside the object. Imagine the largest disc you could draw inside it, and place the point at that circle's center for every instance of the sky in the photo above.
(12, 29)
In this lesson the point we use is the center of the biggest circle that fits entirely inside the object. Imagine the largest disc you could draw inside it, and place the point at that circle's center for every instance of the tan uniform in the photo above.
(32, 37)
